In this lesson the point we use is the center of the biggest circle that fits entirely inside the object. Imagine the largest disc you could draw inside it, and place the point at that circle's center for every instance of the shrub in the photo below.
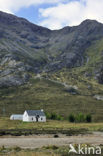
(48, 115)
(2, 148)
(88, 118)
(54, 116)
(17, 149)
(71, 118)
(59, 117)
(80, 118)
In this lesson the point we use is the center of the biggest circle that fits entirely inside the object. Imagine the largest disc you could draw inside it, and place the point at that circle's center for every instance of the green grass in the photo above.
(52, 96)
(17, 151)
(6, 123)
(44, 151)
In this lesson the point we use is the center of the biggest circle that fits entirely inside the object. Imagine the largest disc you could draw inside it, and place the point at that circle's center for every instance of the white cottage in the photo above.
(34, 116)
(16, 117)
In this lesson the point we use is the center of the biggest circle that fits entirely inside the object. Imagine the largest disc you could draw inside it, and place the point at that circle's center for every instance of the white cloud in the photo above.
(71, 13)
(12, 6)
(64, 13)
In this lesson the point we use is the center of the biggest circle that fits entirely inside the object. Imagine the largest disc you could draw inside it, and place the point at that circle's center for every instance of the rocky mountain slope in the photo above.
(60, 70)
(26, 48)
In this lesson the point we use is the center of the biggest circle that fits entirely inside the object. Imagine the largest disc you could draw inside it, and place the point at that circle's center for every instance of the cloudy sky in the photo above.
(55, 14)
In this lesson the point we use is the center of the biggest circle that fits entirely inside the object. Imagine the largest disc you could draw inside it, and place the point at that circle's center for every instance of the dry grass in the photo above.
(53, 97)
(6, 123)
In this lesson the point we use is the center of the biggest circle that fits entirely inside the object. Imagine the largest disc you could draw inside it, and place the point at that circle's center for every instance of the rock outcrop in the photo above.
(26, 47)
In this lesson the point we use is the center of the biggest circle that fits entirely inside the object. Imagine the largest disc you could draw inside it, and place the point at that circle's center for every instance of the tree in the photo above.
(88, 118)
(80, 117)
(71, 118)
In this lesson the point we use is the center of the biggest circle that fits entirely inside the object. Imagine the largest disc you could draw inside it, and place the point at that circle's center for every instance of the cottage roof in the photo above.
(35, 112)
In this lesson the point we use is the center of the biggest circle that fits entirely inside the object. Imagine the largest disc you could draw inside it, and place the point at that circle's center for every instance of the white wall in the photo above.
(16, 117)
(42, 119)
(32, 119)
(27, 118)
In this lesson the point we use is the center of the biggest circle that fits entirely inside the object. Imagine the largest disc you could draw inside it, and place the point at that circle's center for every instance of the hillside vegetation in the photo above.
(59, 71)
(53, 97)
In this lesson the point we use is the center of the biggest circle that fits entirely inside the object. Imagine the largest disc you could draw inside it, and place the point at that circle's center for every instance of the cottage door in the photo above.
(37, 118)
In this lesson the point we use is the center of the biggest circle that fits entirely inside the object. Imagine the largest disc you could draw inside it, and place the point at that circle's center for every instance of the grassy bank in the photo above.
(44, 151)
(17, 151)
(50, 127)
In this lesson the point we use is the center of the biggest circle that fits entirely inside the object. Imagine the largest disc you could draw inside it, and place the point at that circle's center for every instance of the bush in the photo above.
(48, 115)
(71, 118)
(17, 149)
(54, 116)
(59, 117)
(80, 118)
(2, 148)
(88, 118)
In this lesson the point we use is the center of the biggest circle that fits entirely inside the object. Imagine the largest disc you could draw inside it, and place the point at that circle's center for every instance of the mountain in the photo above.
(68, 61)
(25, 47)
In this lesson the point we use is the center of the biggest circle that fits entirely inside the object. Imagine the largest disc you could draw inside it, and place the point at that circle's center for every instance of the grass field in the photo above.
(6, 123)
(52, 97)
(44, 151)
(17, 151)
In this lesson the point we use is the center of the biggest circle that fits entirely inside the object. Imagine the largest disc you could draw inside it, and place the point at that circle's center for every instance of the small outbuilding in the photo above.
(34, 116)
(16, 117)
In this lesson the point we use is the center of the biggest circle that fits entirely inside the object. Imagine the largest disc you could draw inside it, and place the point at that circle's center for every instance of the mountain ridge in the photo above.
(39, 49)
(59, 70)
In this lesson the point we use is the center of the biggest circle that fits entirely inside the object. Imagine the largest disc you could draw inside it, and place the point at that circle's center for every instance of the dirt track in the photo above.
(39, 141)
